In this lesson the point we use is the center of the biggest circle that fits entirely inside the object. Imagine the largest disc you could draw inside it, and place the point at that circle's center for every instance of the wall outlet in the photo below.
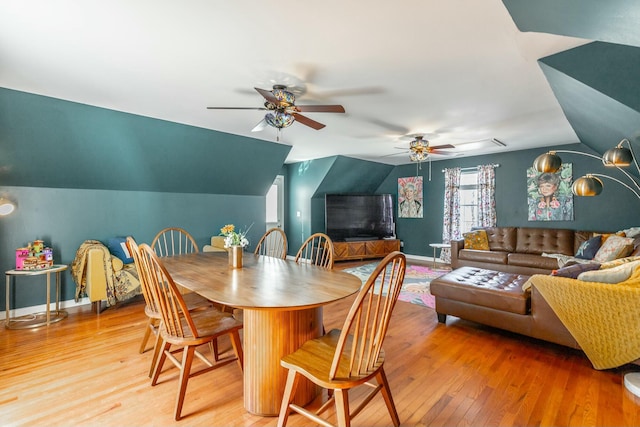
(401, 244)
(298, 214)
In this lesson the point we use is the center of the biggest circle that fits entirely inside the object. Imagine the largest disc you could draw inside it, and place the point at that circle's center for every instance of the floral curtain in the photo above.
(451, 226)
(486, 196)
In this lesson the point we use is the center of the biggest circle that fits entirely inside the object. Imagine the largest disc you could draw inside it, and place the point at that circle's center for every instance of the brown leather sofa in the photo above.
(486, 286)
(497, 299)
(519, 249)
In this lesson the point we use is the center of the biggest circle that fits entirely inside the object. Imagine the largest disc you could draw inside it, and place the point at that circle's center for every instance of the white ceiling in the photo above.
(455, 70)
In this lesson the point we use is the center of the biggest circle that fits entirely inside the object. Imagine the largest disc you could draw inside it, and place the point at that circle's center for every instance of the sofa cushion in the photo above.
(502, 238)
(610, 275)
(573, 271)
(493, 257)
(532, 261)
(476, 240)
(550, 240)
(588, 249)
(118, 247)
(614, 247)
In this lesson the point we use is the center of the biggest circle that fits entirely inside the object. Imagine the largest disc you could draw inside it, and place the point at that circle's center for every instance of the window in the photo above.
(468, 200)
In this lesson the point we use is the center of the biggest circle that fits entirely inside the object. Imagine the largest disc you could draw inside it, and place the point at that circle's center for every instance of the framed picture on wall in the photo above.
(410, 197)
(549, 194)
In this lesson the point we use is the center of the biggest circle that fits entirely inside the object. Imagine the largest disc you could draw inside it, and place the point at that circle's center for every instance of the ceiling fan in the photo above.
(282, 111)
(420, 149)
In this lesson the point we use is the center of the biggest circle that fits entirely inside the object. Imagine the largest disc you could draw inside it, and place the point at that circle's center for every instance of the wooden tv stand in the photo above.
(362, 249)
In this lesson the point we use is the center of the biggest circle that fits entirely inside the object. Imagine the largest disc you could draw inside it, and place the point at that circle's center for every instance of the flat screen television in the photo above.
(351, 217)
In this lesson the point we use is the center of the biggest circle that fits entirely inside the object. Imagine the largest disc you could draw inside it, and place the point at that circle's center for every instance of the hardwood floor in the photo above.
(86, 370)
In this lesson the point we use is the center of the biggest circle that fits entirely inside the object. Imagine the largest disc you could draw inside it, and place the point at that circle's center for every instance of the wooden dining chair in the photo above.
(174, 241)
(185, 330)
(193, 301)
(273, 243)
(353, 356)
(316, 250)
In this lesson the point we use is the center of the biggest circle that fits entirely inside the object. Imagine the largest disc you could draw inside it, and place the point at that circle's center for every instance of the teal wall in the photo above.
(64, 218)
(309, 181)
(615, 209)
(79, 172)
(47, 142)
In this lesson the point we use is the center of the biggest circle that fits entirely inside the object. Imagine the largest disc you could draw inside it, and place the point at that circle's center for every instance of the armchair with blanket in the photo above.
(101, 275)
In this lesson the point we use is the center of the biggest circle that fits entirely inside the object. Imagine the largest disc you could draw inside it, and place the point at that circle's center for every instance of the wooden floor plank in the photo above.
(86, 370)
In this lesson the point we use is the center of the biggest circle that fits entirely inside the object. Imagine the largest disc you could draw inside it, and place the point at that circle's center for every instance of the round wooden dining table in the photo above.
(282, 308)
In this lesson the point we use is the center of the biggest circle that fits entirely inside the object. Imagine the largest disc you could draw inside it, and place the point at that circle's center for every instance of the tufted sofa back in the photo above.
(550, 240)
(502, 238)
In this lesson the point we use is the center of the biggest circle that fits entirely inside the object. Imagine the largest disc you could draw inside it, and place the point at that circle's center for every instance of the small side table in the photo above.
(437, 246)
(37, 319)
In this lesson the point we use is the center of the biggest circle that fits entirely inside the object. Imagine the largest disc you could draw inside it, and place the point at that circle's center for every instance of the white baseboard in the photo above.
(43, 307)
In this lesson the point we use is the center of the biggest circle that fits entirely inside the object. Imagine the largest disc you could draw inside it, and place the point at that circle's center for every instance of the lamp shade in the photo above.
(547, 162)
(587, 185)
(6, 206)
(617, 156)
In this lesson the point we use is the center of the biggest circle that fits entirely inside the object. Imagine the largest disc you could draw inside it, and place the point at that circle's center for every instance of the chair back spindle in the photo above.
(273, 243)
(316, 250)
(174, 241)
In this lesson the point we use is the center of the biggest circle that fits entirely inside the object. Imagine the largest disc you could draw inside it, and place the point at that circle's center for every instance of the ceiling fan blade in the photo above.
(320, 108)
(236, 108)
(260, 126)
(395, 154)
(308, 122)
(268, 95)
(443, 146)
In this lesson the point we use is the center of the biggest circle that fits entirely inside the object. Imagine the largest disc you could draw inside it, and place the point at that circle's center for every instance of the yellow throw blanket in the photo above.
(603, 318)
(121, 285)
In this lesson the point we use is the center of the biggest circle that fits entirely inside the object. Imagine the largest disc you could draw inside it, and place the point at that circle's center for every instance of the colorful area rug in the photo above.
(415, 288)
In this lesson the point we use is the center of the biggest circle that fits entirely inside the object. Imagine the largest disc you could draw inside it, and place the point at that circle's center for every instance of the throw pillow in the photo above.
(573, 271)
(588, 249)
(619, 261)
(118, 247)
(476, 240)
(615, 247)
(610, 275)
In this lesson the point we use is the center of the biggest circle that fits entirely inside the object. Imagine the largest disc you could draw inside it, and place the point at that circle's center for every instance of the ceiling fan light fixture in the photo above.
(418, 144)
(279, 119)
(284, 97)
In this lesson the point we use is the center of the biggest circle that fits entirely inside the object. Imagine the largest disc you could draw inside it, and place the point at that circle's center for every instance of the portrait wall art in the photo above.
(410, 197)
(549, 194)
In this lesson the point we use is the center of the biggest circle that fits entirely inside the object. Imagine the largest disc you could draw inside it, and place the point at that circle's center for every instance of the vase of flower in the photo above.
(234, 241)
(235, 256)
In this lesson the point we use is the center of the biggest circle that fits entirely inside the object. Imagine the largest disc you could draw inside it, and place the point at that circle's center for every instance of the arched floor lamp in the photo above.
(591, 185)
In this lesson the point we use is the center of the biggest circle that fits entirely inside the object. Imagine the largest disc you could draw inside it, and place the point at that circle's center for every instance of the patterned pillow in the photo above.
(573, 271)
(619, 261)
(610, 275)
(588, 249)
(615, 247)
(476, 240)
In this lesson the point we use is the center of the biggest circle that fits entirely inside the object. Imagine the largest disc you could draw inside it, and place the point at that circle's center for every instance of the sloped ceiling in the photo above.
(597, 84)
(47, 142)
